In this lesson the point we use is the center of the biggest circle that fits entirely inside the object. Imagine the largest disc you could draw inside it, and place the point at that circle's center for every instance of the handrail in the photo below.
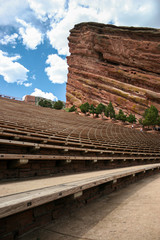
(10, 97)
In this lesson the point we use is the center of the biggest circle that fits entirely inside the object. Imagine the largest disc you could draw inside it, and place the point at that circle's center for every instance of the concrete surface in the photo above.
(132, 213)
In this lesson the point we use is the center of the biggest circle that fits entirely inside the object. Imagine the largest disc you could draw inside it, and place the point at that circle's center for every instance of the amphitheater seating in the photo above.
(37, 142)
(35, 133)
(62, 187)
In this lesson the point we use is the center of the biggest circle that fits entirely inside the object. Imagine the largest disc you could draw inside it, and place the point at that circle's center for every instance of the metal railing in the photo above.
(10, 97)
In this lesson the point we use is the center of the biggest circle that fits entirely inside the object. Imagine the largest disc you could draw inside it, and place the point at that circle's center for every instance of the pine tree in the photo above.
(58, 105)
(111, 110)
(150, 116)
(72, 109)
(131, 118)
(121, 116)
(106, 113)
(92, 109)
(45, 103)
(100, 109)
(85, 107)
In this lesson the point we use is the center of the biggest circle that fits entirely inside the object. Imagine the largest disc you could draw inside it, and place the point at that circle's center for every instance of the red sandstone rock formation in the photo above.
(118, 64)
(30, 99)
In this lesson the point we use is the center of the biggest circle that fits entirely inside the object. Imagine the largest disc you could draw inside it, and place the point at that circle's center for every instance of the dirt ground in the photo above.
(132, 213)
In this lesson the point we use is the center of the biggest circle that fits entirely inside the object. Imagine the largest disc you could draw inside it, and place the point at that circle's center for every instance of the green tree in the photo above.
(85, 107)
(100, 109)
(158, 120)
(131, 118)
(45, 103)
(150, 116)
(141, 121)
(106, 112)
(110, 111)
(58, 105)
(92, 109)
(121, 116)
(72, 109)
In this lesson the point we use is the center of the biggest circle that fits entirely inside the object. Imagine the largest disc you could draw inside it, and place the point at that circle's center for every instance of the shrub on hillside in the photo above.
(100, 109)
(92, 109)
(58, 105)
(121, 116)
(85, 107)
(72, 109)
(110, 112)
(45, 103)
(150, 117)
(131, 118)
(158, 120)
(106, 112)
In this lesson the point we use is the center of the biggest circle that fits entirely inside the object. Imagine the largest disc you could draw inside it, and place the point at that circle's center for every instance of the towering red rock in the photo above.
(117, 64)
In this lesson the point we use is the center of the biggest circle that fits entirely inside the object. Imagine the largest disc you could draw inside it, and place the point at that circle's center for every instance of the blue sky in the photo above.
(33, 38)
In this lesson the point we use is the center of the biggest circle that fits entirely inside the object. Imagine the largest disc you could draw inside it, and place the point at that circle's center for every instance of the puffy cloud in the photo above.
(48, 95)
(11, 9)
(23, 98)
(33, 77)
(27, 84)
(52, 8)
(9, 39)
(121, 12)
(57, 71)
(136, 13)
(60, 16)
(60, 31)
(11, 70)
(34, 17)
(31, 36)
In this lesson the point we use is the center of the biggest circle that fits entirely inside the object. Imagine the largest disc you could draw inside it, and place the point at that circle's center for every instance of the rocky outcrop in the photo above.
(30, 99)
(118, 64)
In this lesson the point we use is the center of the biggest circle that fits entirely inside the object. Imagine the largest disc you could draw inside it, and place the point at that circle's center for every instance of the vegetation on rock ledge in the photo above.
(50, 104)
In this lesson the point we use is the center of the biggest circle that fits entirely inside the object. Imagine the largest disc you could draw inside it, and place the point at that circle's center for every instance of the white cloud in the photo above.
(9, 39)
(78, 11)
(60, 19)
(60, 31)
(57, 71)
(23, 97)
(52, 8)
(11, 9)
(31, 36)
(135, 13)
(11, 70)
(48, 95)
(33, 77)
(27, 84)
(36, 19)
(121, 12)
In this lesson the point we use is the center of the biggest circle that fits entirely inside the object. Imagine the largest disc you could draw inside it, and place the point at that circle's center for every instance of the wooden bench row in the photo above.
(122, 135)
(122, 132)
(38, 146)
(28, 136)
(69, 157)
(18, 202)
(68, 142)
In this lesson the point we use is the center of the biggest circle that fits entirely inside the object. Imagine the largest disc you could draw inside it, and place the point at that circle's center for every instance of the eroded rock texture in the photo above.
(118, 64)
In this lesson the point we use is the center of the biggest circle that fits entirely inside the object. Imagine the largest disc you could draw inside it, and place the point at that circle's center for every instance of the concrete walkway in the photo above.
(132, 213)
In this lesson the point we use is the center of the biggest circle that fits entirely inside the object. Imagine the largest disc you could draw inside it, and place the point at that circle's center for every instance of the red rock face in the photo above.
(30, 99)
(117, 64)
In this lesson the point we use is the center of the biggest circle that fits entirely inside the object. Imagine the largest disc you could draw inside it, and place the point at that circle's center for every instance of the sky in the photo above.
(34, 45)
